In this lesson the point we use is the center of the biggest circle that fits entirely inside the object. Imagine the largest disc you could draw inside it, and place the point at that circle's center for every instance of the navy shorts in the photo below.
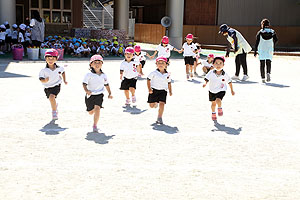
(93, 100)
(158, 96)
(214, 96)
(53, 90)
(128, 83)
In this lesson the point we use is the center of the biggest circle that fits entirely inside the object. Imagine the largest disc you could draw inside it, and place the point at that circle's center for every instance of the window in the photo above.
(34, 3)
(46, 3)
(53, 11)
(67, 4)
(56, 4)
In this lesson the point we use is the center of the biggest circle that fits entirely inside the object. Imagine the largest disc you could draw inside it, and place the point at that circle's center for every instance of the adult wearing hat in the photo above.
(38, 29)
(241, 48)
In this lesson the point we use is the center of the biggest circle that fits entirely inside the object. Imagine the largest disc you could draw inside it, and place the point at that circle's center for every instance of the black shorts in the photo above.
(8, 39)
(53, 90)
(214, 96)
(93, 100)
(189, 60)
(143, 63)
(14, 41)
(128, 83)
(2, 42)
(158, 96)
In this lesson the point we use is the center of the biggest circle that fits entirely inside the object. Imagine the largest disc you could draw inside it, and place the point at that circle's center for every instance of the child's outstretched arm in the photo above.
(206, 81)
(86, 90)
(170, 89)
(180, 51)
(148, 55)
(149, 86)
(155, 52)
(44, 80)
(64, 78)
(231, 88)
(121, 74)
(109, 91)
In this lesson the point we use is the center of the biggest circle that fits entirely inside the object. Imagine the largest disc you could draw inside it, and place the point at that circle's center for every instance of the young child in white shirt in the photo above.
(140, 56)
(207, 65)
(218, 80)
(189, 52)
(94, 83)
(128, 75)
(158, 83)
(50, 77)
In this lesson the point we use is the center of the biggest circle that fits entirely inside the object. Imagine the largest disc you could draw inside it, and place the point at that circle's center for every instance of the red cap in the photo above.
(211, 55)
(129, 50)
(51, 52)
(162, 58)
(189, 36)
(165, 40)
(137, 48)
(96, 57)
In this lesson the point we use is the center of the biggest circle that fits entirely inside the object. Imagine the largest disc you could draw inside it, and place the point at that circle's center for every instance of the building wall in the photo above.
(251, 12)
(200, 12)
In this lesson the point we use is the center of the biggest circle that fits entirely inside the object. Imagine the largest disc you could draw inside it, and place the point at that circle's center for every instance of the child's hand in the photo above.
(150, 91)
(232, 92)
(88, 92)
(66, 83)
(204, 85)
(170, 93)
(46, 79)
(110, 97)
(121, 76)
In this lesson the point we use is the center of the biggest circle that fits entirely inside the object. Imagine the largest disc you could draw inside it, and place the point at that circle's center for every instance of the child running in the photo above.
(140, 56)
(158, 83)
(51, 79)
(217, 79)
(128, 75)
(189, 51)
(164, 49)
(93, 85)
(207, 64)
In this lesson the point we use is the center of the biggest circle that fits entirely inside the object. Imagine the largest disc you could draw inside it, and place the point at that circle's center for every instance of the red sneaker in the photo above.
(220, 111)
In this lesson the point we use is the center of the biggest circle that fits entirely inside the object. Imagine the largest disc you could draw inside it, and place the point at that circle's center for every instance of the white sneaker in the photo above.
(95, 129)
(54, 115)
(235, 77)
(245, 77)
(268, 77)
(159, 121)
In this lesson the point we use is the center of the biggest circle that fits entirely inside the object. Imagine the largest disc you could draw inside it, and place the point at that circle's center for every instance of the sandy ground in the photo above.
(251, 153)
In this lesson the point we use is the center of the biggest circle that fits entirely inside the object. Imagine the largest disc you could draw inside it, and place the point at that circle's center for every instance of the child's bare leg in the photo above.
(96, 114)
(132, 91)
(195, 66)
(204, 69)
(152, 105)
(52, 102)
(126, 94)
(213, 106)
(161, 109)
(219, 102)
(187, 69)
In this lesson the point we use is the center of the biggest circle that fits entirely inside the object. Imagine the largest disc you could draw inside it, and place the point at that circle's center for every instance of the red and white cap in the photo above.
(51, 52)
(129, 50)
(189, 36)
(211, 56)
(96, 57)
(161, 58)
(137, 48)
(165, 40)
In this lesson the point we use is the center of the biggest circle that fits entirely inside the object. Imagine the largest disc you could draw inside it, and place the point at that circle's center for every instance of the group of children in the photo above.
(18, 35)
(158, 82)
(82, 47)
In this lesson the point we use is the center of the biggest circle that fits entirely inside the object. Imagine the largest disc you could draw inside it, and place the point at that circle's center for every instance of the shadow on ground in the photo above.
(165, 128)
(226, 129)
(277, 85)
(133, 110)
(52, 128)
(99, 138)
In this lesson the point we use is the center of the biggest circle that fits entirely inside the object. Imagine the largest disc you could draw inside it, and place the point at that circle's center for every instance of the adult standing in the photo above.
(241, 48)
(38, 29)
(264, 46)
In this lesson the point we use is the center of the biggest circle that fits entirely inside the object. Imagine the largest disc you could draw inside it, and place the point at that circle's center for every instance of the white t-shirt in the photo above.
(141, 57)
(8, 32)
(2, 35)
(189, 49)
(27, 36)
(217, 83)
(159, 81)
(32, 22)
(86, 49)
(96, 83)
(164, 51)
(54, 76)
(21, 37)
(206, 64)
(14, 35)
(129, 69)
